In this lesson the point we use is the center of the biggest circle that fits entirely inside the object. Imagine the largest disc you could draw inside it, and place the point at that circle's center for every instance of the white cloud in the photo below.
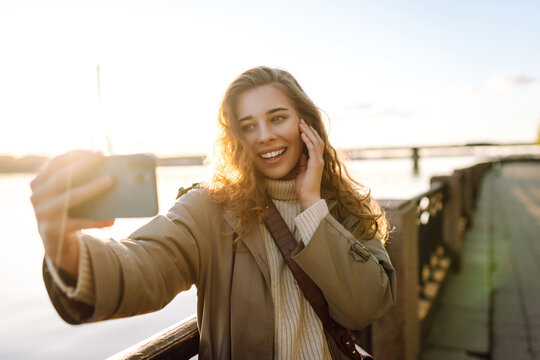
(511, 81)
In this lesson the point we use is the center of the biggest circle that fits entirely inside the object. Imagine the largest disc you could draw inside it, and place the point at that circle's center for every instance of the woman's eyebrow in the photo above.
(249, 117)
(269, 112)
(276, 110)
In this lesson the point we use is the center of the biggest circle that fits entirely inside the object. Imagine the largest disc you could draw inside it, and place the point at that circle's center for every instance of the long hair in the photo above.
(241, 189)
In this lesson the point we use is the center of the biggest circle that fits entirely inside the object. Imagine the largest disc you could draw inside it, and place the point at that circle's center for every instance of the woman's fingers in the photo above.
(311, 137)
(314, 144)
(309, 144)
(53, 165)
(60, 204)
(62, 177)
(54, 190)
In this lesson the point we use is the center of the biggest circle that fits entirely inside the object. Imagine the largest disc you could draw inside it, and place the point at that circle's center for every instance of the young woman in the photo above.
(272, 144)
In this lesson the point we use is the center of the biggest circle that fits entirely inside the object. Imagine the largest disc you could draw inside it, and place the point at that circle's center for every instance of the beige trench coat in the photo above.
(192, 245)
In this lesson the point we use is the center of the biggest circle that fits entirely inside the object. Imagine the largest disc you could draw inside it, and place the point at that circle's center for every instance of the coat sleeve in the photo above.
(357, 278)
(144, 272)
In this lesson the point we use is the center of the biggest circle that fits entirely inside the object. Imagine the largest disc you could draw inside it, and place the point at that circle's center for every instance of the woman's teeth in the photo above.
(272, 154)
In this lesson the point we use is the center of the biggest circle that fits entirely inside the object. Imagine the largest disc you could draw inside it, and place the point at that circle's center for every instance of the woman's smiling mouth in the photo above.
(271, 155)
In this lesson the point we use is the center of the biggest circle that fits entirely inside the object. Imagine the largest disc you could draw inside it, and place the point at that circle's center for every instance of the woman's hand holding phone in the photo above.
(308, 180)
(53, 195)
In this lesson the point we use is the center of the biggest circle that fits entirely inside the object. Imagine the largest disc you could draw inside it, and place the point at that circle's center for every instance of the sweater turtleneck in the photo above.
(282, 189)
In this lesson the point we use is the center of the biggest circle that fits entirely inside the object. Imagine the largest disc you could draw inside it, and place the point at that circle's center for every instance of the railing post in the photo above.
(466, 176)
(415, 158)
(397, 334)
(452, 221)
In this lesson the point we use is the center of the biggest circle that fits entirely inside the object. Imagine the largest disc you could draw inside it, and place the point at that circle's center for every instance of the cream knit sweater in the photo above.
(298, 332)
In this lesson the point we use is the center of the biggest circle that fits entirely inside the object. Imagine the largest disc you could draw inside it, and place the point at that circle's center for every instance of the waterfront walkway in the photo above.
(490, 309)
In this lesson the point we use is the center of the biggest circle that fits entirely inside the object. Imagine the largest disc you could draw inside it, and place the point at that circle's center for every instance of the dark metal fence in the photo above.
(431, 245)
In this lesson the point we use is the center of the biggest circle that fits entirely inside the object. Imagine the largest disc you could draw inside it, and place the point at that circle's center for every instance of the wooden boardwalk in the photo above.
(490, 309)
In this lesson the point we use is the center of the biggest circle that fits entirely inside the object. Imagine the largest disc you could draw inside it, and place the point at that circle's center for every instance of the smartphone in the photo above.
(134, 193)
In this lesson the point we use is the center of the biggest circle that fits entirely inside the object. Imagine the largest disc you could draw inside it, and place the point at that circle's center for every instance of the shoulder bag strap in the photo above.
(285, 240)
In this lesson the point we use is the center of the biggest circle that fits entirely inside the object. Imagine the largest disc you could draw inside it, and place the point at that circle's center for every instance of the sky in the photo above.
(385, 73)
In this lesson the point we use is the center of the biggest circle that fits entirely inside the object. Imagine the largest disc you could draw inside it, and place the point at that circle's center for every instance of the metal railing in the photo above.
(431, 247)
(180, 341)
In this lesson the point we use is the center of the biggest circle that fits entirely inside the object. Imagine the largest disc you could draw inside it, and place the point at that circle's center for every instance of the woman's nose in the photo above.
(265, 134)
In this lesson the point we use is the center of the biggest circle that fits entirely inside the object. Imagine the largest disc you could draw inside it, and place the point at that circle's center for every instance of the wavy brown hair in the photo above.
(242, 190)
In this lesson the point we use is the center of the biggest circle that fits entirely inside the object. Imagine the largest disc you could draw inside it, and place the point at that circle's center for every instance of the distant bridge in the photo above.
(31, 163)
(400, 152)
(416, 152)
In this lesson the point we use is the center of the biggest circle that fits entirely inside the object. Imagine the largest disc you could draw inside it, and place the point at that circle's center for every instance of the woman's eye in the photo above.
(278, 118)
(247, 127)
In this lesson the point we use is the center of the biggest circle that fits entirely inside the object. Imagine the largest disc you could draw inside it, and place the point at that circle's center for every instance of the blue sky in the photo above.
(386, 73)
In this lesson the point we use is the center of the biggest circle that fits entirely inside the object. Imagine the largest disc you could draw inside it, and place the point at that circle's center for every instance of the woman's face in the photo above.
(269, 123)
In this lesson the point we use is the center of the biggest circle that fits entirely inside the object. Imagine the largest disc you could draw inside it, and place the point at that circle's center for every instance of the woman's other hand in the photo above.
(308, 180)
(52, 197)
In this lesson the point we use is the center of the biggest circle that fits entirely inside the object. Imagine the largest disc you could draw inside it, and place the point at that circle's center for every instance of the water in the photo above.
(29, 325)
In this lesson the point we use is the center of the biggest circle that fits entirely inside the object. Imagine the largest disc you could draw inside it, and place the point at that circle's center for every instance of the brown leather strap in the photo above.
(285, 240)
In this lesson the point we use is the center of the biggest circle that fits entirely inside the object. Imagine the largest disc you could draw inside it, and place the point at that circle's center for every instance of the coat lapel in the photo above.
(254, 244)
(251, 305)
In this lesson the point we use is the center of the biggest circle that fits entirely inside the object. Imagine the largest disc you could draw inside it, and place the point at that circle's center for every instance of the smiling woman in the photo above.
(273, 163)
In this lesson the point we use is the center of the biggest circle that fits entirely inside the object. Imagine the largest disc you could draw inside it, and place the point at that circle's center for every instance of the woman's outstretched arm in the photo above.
(145, 271)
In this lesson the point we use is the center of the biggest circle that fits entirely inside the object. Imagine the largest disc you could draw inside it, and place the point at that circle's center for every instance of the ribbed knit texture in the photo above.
(298, 331)
(84, 290)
